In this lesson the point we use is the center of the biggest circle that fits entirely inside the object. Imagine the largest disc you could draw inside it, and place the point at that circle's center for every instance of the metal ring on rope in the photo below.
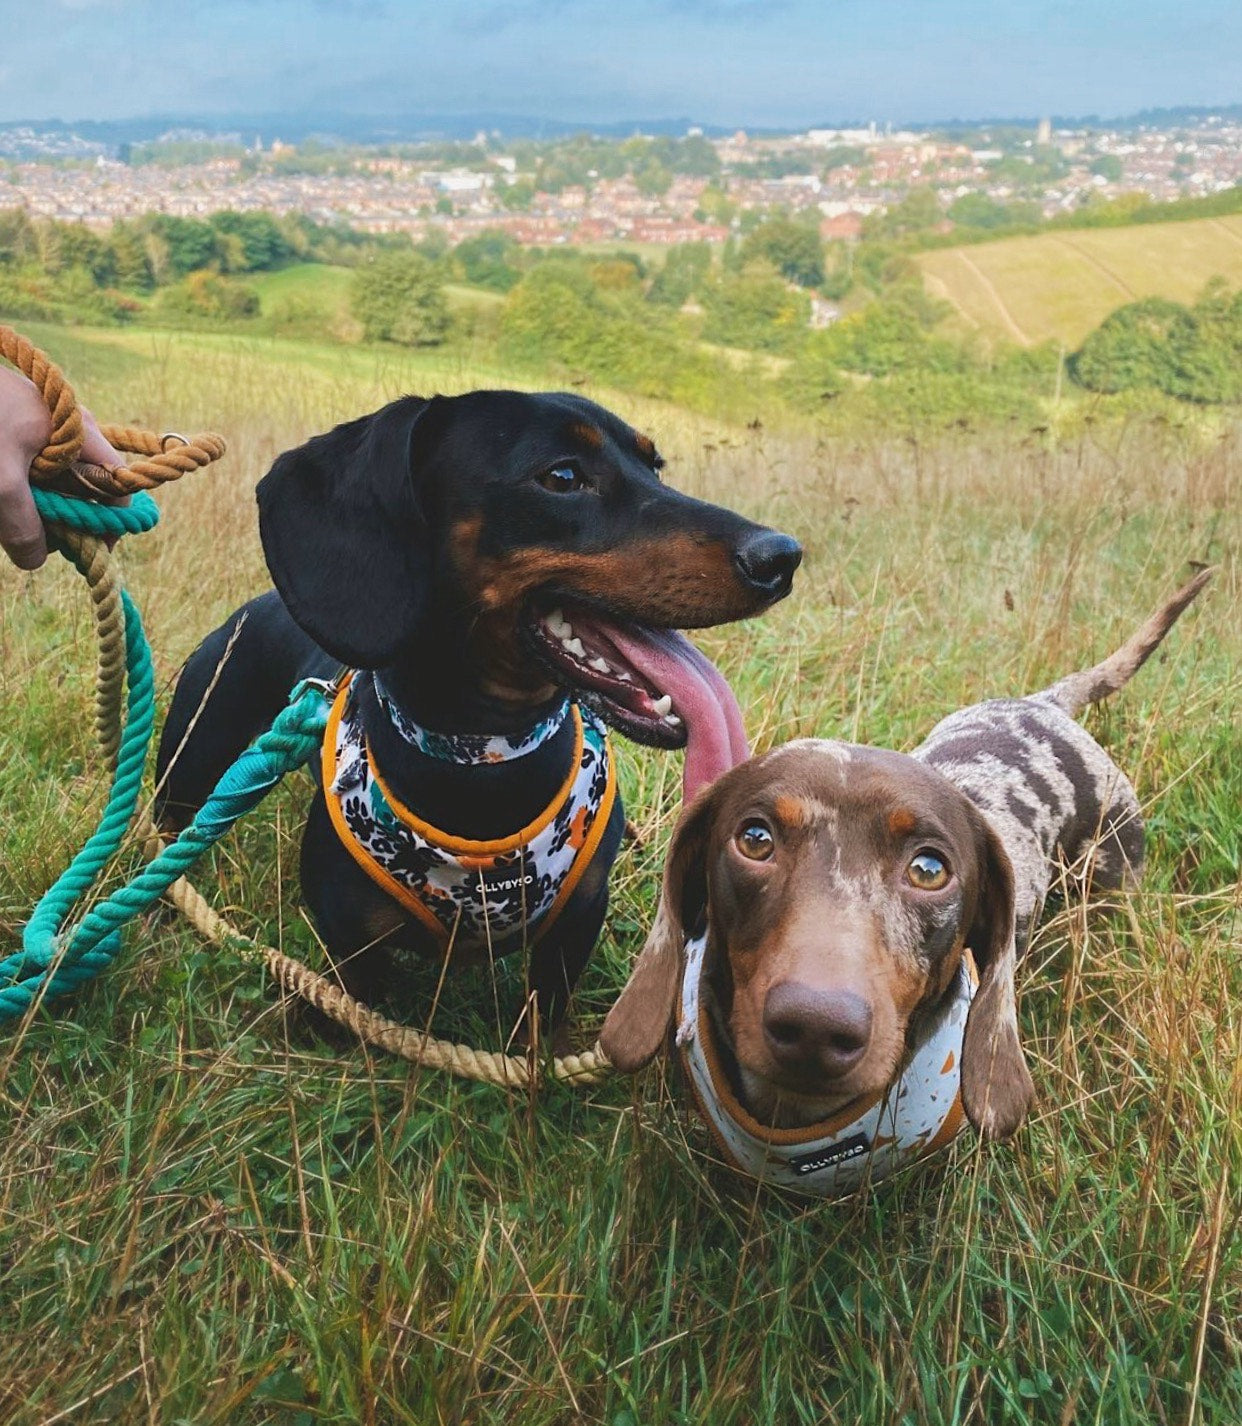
(53, 961)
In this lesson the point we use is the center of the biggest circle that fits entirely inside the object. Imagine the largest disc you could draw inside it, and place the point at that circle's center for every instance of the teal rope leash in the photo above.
(47, 965)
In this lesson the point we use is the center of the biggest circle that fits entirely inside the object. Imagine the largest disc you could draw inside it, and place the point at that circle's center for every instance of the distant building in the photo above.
(842, 226)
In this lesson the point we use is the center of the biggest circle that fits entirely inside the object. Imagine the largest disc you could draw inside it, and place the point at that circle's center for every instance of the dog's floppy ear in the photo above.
(639, 1020)
(997, 1089)
(344, 529)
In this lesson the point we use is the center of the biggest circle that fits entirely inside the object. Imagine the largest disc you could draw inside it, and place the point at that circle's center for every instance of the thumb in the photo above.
(95, 449)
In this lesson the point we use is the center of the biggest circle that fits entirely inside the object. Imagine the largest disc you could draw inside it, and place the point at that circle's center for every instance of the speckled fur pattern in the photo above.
(1012, 789)
(1049, 791)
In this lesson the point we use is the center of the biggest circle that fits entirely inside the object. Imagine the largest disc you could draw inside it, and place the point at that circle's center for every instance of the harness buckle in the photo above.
(328, 688)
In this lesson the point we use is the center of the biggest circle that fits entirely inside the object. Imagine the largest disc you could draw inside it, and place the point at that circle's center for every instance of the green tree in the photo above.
(399, 297)
(918, 212)
(715, 206)
(1207, 350)
(844, 156)
(81, 248)
(619, 273)
(754, 308)
(19, 242)
(793, 247)
(685, 270)
(1108, 166)
(978, 210)
(518, 195)
(263, 245)
(653, 179)
(207, 295)
(815, 378)
(893, 334)
(490, 260)
(189, 244)
(558, 318)
(1131, 347)
(129, 258)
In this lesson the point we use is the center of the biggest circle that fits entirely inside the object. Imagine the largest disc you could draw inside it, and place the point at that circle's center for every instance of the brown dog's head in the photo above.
(839, 886)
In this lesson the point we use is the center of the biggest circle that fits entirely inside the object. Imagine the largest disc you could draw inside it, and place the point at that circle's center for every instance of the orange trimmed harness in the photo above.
(482, 891)
(865, 1140)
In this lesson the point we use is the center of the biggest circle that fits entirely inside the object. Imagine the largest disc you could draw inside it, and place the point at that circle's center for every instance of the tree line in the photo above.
(704, 325)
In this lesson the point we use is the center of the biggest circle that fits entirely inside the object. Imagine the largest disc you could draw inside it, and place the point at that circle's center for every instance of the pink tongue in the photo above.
(702, 698)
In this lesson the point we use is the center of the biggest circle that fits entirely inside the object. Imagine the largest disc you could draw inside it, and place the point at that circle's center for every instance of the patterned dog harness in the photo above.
(481, 891)
(866, 1139)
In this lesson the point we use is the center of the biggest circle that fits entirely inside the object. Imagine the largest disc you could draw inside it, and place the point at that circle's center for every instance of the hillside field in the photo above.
(1059, 286)
(309, 299)
(212, 1213)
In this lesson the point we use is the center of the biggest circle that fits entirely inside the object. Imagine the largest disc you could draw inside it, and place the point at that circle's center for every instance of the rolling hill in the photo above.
(1058, 286)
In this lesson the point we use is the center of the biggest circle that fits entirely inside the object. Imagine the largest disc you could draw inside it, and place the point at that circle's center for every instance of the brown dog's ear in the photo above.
(639, 1019)
(345, 533)
(997, 1088)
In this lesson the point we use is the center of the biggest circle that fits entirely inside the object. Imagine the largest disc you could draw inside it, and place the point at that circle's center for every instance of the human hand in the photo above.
(25, 428)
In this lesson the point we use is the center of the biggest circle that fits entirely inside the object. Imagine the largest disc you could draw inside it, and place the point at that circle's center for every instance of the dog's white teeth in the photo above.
(558, 625)
(663, 706)
(599, 665)
(575, 647)
(672, 720)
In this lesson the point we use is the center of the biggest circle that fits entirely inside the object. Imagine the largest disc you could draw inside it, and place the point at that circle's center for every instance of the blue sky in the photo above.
(775, 62)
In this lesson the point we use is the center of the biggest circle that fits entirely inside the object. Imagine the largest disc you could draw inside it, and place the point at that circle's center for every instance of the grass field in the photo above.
(1059, 286)
(310, 300)
(208, 1213)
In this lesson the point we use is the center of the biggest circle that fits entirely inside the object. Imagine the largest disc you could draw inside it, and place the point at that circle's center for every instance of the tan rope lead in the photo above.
(419, 1047)
(66, 439)
(93, 558)
(159, 464)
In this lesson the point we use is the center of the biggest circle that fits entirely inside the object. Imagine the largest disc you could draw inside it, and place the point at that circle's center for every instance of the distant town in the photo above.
(641, 190)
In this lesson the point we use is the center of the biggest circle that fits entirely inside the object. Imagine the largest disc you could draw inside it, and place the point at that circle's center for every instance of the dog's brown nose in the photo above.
(821, 1032)
(767, 560)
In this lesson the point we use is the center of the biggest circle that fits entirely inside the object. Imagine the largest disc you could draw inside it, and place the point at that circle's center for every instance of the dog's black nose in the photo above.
(767, 560)
(823, 1032)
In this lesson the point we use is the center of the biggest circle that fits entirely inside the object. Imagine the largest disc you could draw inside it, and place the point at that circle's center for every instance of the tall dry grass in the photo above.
(208, 1213)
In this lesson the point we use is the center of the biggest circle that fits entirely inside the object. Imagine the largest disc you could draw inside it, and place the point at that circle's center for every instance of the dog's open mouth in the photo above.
(653, 685)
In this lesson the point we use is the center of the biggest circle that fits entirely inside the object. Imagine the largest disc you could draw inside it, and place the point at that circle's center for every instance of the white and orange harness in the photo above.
(480, 892)
(865, 1140)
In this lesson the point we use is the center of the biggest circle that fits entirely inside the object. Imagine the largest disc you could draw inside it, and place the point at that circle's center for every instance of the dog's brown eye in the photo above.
(755, 841)
(563, 480)
(927, 872)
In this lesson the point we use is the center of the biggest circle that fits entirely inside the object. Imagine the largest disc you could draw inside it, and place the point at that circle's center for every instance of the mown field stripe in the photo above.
(1230, 233)
(1100, 267)
(989, 287)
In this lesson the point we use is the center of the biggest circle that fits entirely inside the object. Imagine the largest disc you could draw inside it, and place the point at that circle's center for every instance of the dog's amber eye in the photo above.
(563, 480)
(755, 841)
(927, 872)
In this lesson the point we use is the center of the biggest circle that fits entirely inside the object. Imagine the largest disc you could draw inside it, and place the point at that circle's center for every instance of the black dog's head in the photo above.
(530, 538)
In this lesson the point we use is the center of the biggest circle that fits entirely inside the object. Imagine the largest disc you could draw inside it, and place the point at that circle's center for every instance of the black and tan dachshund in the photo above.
(503, 571)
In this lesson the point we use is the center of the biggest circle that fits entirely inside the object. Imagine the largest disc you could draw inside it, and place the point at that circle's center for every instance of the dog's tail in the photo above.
(1078, 690)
